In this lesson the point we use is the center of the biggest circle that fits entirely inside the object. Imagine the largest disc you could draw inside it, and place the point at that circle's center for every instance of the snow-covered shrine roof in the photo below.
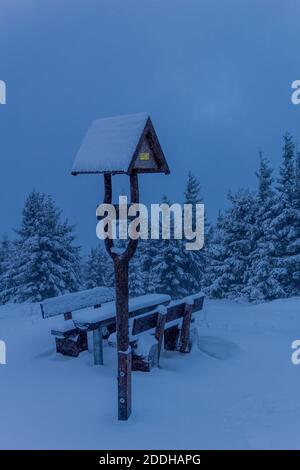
(120, 144)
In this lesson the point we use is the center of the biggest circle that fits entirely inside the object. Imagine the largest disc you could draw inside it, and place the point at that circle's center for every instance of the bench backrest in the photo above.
(198, 301)
(64, 304)
(173, 312)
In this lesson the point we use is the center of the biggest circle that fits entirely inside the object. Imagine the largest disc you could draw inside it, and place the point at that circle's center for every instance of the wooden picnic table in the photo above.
(105, 317)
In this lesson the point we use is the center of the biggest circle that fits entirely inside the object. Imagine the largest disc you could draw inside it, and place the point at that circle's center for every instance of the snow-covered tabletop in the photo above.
(108, 310)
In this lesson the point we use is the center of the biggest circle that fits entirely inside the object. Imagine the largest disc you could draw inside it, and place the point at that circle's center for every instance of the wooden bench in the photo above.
(69, 339)
(171, 324)
(102, 322)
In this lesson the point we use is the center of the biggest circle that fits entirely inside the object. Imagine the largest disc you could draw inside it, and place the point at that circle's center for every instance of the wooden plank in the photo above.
(175, 312)
(198, 303)
(144, 323)
(147, 322)
(140, 311)
(98, 347)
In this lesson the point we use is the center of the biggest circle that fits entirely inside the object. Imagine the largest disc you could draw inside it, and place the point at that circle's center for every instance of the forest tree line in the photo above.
(251, 252)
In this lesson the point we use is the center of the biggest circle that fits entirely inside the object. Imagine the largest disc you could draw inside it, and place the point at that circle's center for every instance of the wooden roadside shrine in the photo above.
(121, 145)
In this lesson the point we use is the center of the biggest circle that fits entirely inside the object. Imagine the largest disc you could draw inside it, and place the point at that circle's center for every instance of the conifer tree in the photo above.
(47, 262)
(150, 257)
(233, 243)
(217, 255)
(172, 269)
(137, 277)
(261, 284)
(195, 260)
(284, 230)
(293, 247)
(98, 269)
(6, 256)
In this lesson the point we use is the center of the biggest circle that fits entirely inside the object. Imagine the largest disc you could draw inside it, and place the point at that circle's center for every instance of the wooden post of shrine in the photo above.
(121, 262)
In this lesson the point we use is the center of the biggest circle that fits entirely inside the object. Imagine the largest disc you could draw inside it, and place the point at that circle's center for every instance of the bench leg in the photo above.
(70, 346)
(159, 333)
(98, 347)
(143, 361)
(184, 341)
(171, 336)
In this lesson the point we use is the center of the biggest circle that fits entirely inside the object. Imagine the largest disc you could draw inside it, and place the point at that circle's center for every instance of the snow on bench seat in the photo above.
(60, 328)
(69, 302)
(108, 310)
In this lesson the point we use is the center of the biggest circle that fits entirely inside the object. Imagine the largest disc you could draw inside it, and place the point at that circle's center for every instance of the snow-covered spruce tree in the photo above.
(137, 277)
(68, 257)
(172, 266)
(285, 226)
(261, 284)
(195, 260)
(232, 244)
(6, 256)
(149, 252)
(217, 253)
(47, 262)
(98, 270)
(144, 268)
(295, 245)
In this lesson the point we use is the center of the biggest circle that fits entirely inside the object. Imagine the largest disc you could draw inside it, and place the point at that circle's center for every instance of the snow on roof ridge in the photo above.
(122, 116)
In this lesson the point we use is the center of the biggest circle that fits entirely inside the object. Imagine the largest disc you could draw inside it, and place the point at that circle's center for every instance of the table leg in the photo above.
(98, 346)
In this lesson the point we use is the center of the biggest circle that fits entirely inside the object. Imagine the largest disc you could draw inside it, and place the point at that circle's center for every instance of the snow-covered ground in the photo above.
(240, 390)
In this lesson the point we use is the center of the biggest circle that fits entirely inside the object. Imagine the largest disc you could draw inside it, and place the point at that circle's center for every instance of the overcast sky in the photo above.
(215, 76)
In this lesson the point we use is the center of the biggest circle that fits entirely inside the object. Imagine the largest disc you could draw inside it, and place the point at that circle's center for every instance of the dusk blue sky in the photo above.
(215, 76)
